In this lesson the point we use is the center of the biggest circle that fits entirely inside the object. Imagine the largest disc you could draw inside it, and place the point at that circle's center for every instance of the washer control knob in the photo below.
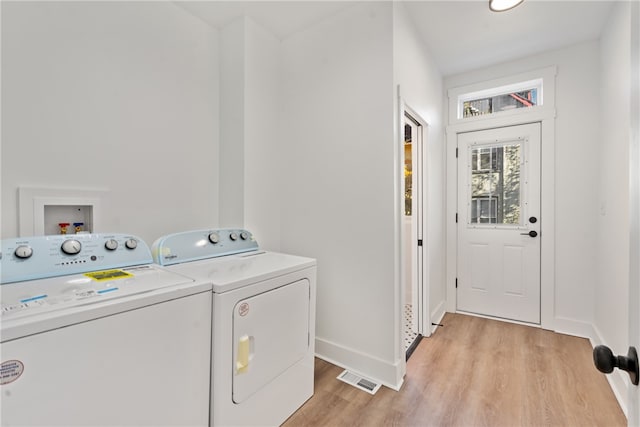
(111, 244)
(131, 244)
(233, 236)
(71, 247)
(23, 251)
(214, 238)
(244, 235)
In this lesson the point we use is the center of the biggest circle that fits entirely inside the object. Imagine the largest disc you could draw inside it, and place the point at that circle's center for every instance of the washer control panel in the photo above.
(201, 244)
(29, 258)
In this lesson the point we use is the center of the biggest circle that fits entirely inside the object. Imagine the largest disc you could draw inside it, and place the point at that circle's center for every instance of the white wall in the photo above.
(338, 150)
(264, 129)
(231, 170)
(577, 164)
(421, 88)
(612, 287)
(114, 95)
(250, 131)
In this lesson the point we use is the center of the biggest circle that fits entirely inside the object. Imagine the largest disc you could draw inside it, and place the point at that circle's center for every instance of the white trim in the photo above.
(502, 90)
(398, 217)
(436, 317)
(499, 319)
(425, 285)
(388, 374)
(32, 202)
(633, 393)
(545, 115)
(548, 223)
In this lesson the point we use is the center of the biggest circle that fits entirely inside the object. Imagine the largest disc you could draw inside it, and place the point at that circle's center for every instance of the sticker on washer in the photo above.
(108, 275)
(243, 310)
(23, 304)
(10, 371)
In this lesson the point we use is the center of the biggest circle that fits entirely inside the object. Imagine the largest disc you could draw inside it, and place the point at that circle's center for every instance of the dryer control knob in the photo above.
(233, 236)
(23, 252)
(214, 238)
(131, 244)
(111, 245)
(244, 235)
(71, 247)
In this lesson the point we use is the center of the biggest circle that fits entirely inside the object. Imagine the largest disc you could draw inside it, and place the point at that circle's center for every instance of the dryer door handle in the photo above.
(244, 354)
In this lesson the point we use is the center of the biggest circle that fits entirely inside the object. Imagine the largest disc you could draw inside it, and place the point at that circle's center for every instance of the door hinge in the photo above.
(456, 152)
(456, 217)
(456, 283)
(419, 242)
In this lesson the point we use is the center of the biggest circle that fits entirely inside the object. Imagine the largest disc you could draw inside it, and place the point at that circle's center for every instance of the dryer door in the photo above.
(270, 334)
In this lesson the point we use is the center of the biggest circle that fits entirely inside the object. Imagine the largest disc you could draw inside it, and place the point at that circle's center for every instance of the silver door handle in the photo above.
(532, 233)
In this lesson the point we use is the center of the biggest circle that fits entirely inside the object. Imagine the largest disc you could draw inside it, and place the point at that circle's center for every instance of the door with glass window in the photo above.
(499, 224)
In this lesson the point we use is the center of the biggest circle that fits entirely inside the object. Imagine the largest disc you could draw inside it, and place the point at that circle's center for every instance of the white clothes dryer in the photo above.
(263, 322)
(94, 333)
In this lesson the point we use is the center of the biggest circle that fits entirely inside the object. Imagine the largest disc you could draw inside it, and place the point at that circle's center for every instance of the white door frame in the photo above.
(421, 225)
(423, 326)
(418, 257)
(545, 115)
(633, 404)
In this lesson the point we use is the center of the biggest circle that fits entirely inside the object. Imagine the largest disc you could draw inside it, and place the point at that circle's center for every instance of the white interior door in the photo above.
(498, 271)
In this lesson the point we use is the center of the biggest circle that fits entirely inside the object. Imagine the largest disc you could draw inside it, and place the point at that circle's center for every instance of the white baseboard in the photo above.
(388, 374)
(563, 325)
(436, 317)
(576, 328)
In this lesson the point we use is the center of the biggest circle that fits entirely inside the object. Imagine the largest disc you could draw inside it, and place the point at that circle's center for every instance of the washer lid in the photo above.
(38, 305)
(235, 271)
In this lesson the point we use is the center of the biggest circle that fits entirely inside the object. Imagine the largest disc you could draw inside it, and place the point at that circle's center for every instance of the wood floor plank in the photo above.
(475, 372)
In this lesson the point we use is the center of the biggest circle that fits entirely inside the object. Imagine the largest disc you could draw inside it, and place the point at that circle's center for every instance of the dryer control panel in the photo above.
(38, 257)
(201, 244)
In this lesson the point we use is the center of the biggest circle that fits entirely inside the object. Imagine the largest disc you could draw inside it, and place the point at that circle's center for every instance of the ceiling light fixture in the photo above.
(502, 5)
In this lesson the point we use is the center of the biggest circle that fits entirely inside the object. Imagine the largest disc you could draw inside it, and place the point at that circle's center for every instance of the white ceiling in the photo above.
(281, 18)
(460, 35)
(464, 35)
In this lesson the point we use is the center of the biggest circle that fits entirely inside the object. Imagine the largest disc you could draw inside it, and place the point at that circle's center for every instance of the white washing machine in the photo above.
(263, 322)
(95, 334)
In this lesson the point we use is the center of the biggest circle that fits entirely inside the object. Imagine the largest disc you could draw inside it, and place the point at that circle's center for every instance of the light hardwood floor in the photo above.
(476, 372)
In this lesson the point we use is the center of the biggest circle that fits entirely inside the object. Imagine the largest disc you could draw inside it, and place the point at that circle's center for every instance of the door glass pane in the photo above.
(495, 184)
(505, 101)
(408, 172)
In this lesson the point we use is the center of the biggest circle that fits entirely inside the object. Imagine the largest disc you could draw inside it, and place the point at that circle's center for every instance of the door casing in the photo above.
(633, 406)
(419, 226)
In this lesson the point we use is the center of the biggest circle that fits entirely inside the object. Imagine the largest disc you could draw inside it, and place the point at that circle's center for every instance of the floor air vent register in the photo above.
(359, 382)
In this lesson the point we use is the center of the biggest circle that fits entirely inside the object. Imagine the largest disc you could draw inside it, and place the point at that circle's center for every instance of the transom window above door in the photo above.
(501, 99)
(505, 98)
